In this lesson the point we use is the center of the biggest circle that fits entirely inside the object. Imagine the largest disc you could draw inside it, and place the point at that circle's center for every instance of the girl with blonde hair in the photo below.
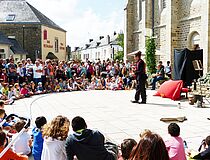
(55, 134)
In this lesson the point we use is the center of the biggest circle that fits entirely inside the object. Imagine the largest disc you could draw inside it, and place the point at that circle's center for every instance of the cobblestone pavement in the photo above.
(112, 113)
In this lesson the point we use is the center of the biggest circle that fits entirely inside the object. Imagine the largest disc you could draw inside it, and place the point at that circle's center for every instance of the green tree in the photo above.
(150, 55)
(120, 41)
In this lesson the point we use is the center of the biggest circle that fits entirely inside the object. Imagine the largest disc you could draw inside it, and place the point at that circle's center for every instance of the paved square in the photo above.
(112, 113)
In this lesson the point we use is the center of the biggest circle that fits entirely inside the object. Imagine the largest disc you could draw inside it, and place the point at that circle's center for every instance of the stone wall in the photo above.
(174, 26)
(29, 37)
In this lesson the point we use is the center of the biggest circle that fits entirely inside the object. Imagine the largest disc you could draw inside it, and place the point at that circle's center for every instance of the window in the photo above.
(195, 39)
(139, 10)
(2, 50)
(56, 45)
(10, 17)
(163, 4)
(3, 56)
(104, 54)
(99, 55)
(45, 34)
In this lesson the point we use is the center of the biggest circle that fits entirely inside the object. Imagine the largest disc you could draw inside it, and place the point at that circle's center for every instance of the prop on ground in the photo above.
(170, 89)
(178, 119)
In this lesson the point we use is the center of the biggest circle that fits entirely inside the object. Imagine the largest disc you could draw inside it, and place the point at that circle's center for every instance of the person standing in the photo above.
(140, 79)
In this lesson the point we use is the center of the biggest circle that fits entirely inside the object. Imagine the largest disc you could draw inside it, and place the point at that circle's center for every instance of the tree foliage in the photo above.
(150, 55)
(120, 41)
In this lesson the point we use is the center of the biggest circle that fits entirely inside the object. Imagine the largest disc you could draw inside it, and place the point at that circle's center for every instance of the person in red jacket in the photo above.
(9, 154)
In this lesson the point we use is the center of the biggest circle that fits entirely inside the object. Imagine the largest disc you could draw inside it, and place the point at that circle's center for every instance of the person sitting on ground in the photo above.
(2, 114)
(9, 154)
(150, 147)
(17, 93)
(25, 91)
(40, 89)
(23, 143)
(5, 89)
(6, 126)
(206, 153)
(55, 134)
(126, 148)
(87, 144)
(37, 138)
(175, 144)
(1, 104)
(160, 74)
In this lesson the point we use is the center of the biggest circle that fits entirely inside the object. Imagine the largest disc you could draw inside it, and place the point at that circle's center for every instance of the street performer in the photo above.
(140, 79)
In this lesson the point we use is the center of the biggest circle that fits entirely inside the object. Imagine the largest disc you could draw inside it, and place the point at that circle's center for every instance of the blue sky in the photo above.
(84, 19)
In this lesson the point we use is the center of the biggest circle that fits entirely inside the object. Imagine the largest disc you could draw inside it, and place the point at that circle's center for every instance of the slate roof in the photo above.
(4, 39)
(16, 48)
(24, 14)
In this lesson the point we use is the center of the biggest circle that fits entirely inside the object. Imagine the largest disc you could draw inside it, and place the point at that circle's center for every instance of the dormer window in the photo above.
(10, 17)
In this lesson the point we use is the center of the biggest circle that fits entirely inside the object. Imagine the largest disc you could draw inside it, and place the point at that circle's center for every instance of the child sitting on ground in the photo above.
(175, 144)
(40, 89)
(25, 91)
(9, 154)
(126, 148)
(37, 138)
(23, 142)
(17, 91)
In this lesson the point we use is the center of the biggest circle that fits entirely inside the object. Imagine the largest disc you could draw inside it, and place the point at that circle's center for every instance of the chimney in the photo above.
(76, 48)
(90, 40)
(108, 39)
(101, 37)
(87, 45)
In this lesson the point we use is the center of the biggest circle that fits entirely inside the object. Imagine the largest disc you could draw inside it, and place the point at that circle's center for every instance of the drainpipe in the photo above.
(153, 18)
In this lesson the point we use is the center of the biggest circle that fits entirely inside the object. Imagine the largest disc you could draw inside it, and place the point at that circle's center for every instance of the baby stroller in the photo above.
(19, 134)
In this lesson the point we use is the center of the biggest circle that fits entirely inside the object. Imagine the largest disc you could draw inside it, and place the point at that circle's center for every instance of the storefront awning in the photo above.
(51, 56)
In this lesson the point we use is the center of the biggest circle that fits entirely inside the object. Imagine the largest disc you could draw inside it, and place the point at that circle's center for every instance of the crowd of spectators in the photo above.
(25, 78)
(52, 141)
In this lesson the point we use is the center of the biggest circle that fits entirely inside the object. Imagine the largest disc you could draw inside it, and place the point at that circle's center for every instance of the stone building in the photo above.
(37, 34)
(178, 24)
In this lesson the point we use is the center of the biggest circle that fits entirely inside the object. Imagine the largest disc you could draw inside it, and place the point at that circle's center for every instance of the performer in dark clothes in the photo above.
(140, 79)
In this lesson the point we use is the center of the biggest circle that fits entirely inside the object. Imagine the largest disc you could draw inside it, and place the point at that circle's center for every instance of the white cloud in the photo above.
(80, 26)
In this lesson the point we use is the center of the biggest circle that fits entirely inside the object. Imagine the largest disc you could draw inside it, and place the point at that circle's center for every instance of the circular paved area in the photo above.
(112, 113)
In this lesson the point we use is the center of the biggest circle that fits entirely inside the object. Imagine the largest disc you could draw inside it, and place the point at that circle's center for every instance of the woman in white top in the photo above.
(55, 134)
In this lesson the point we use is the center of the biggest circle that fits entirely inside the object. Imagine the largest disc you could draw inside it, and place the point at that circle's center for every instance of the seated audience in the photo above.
(160, 74)
(55, 134)
(175, 144)
(23, 143)
(150, 147)
(25, 91)
(205, 155)
(9, 154)
(126, 148)
(37, 138)
(87, 144)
